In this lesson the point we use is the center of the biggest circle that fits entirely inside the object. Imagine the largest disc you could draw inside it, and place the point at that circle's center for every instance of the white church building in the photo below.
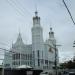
(38, 55)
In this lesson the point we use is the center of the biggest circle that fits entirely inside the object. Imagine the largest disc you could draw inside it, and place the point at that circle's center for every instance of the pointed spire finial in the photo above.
(50, 29)
(19, 31)
(36, 13)
(19, 34)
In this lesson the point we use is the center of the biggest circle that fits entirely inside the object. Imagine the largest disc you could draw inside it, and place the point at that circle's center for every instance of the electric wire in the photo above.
(1, 59)
(2, 49)
(19, 11)
(22, 7)
(69, 12)
(12, 52)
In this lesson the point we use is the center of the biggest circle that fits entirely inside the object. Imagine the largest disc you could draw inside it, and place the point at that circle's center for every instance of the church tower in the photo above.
(37, 41)
(51, 36)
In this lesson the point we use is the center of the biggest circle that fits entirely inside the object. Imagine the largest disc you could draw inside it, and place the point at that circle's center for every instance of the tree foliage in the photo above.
(69, 65)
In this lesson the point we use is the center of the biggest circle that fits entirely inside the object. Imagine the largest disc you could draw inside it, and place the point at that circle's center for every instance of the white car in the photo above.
(71, 73)
(47, 73)
(44, 73)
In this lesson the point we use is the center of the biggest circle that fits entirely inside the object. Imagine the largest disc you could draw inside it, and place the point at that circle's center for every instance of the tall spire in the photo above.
(36, 19)
(36, 12)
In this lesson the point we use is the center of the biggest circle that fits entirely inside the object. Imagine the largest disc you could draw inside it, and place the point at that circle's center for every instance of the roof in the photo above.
(24, 66)
(19, 42)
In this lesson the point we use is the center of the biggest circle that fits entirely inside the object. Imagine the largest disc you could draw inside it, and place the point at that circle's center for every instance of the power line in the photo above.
(15, 7)
(69, 12)
(13, 52)
(1, 59)
(2, 49)
(21, 5)
(13, 2)
(4, 44)
(19, 10)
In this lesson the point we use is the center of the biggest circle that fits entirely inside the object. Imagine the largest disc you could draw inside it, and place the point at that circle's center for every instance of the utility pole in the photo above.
(3, 65)
(55, 63)
(56, 67)
(74, 44)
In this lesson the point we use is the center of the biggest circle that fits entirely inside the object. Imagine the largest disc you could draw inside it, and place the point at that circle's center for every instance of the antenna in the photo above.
(36, 7)
(36, 11)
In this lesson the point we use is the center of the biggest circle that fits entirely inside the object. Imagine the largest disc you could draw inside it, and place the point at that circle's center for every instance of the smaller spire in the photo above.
(51, 33)
(19, 34)
(19, 37)
(50, 28)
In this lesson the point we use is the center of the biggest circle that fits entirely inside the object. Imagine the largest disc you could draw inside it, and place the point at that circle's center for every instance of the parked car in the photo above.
(71, 73)
(44, 73)
(47, 72)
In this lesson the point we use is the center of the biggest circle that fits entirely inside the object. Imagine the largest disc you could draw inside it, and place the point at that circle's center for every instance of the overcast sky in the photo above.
(16, 15)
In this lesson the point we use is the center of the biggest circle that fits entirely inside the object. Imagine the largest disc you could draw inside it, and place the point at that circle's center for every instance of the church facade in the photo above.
(38, 55)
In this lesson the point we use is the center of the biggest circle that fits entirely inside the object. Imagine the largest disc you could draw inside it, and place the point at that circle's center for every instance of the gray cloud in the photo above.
(51, 12)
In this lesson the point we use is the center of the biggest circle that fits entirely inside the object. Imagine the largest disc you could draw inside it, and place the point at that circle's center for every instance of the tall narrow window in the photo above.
(33, 57)
(38, 58)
